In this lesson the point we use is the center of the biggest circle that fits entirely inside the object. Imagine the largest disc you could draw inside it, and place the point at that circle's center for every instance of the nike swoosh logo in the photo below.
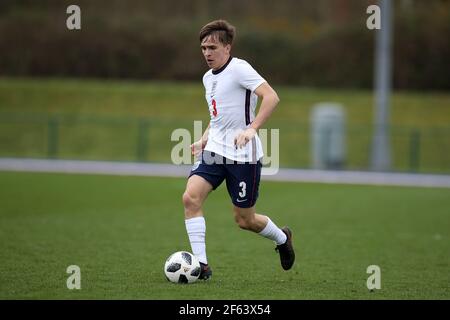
(241, 200)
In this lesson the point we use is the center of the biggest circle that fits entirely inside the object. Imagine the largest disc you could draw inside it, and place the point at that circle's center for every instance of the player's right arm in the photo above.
(198, 146)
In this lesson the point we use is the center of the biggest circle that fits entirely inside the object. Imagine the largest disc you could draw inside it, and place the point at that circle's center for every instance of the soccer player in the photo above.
(230, 148)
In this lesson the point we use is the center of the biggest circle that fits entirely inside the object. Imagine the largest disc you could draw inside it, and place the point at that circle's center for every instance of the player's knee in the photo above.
(242, 222)
(191, 202)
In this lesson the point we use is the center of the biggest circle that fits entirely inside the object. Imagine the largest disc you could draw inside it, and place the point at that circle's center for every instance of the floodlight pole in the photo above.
(381, 156)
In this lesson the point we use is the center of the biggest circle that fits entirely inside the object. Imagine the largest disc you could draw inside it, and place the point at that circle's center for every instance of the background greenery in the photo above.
(134, 120)
(323, 43)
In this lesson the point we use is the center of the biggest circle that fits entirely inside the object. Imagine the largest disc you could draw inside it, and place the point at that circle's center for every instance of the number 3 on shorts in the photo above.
(243, 192)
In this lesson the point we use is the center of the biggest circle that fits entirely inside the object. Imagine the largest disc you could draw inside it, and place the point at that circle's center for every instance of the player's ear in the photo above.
(228, 48)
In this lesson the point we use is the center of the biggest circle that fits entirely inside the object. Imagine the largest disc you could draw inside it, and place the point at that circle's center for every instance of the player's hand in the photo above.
(197, 147)
(244, 137)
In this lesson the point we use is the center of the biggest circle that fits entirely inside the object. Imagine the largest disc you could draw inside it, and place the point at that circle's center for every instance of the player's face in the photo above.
(215, 53)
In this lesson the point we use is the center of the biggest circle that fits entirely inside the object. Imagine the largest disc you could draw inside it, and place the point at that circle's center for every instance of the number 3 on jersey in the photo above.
(213, 102)
(243, 192)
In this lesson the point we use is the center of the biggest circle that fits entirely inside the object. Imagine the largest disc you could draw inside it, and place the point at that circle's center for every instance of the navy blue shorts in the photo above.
(242, 178)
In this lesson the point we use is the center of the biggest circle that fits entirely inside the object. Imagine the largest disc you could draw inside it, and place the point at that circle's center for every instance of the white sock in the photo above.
(196, 230)
(272, 232)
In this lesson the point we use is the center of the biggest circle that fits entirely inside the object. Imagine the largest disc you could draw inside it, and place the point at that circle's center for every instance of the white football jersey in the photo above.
(229, 92)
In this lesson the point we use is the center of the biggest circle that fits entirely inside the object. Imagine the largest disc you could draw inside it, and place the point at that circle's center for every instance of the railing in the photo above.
(413, 149)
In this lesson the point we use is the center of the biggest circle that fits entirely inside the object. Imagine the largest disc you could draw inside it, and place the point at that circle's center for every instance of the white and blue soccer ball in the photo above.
(182, 267)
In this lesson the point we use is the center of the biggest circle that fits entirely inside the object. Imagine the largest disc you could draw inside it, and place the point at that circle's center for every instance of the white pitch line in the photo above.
(170, 170)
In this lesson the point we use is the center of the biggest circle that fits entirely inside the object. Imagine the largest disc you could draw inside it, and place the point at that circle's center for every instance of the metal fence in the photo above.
(414, 149)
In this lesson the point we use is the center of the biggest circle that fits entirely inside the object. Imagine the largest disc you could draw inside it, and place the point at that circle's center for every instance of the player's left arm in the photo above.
(269, 100)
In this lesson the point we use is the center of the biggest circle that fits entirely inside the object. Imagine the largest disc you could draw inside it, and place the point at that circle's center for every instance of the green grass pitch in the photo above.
(120, 230)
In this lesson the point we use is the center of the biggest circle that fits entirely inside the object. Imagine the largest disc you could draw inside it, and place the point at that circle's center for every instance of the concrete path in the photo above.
(169, 170)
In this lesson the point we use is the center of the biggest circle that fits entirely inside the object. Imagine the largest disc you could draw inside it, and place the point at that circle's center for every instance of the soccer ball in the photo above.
(182, 267)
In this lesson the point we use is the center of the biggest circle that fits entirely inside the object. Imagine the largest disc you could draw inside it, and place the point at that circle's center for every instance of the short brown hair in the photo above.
(220, 28)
